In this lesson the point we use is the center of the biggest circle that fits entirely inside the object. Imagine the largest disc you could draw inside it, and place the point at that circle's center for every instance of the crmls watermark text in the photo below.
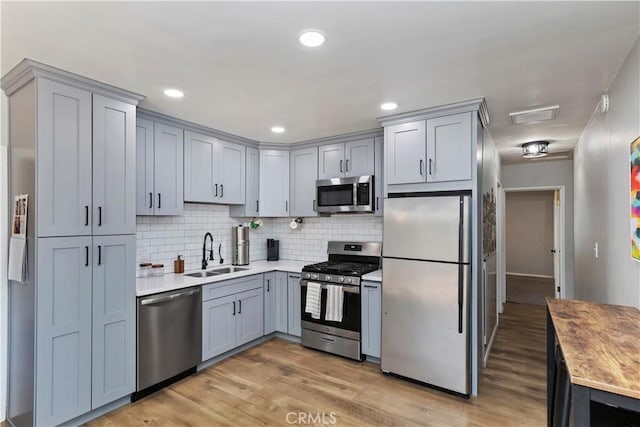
(303, 418)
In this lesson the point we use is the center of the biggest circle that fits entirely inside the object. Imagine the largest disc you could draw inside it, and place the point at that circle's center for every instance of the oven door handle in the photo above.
(348, 289)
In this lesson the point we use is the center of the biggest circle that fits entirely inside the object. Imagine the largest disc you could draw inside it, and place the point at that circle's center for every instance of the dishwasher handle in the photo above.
(158, 300)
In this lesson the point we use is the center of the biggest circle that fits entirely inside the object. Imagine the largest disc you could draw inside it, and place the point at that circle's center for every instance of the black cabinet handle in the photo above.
(99, 255)
(371, 286)
(268, 284)
(159, 200)
(234, 309)
(314, 205)
(216, 190)
(86, 256)
(239, 306)
(340, 165)
(430, 162)
(86, 215)
(286, 206)
(257, 205)
(150, 200)
(420, 166)
(377, 203)
(99, 216)
(221, 190)
(346, 166)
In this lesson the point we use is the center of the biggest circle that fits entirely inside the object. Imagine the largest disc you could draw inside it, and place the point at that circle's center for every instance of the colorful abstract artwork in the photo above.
(635, 199)
(489, 223)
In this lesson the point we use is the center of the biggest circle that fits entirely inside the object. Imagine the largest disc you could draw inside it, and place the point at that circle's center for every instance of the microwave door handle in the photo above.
(355, 194)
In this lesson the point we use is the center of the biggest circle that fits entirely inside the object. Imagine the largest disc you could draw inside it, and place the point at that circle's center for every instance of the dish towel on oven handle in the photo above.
(312, 304)
(335, 300)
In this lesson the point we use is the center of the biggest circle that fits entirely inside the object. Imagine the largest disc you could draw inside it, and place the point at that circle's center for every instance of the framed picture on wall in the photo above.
(635, 198)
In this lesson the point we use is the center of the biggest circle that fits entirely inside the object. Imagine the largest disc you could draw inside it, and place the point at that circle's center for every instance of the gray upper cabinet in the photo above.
(144, 167)
(353, 158)
(449, 153)
(269, 289)
(64, 160)
(252, 186)
(274, 183)
(405, 153)
(114, 154)
(63, 335)
(304, 173)
(379, 175)
(168, 151)
(294, 324)
(114, 318)
(199, 168)
(214, 171)
(371, 318)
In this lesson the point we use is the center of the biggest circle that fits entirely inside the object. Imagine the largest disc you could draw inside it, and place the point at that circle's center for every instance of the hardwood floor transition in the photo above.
(281, 383)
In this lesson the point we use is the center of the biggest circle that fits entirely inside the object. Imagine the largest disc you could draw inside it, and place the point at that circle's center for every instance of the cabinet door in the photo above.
(231, 175)
(274, 183)
(144, 167)
(359, 157)
(405, 153)
(269, 289)
(114, 318)
(64, 160)
(294, 306)
(282, 302)
(331, 161)
(371, 318)
(249, 320)
(200, 168)
(218, 326)
(449, 153)
(114, 162)
(304, 173)
(252, 186)
(168, 166)
(378, 179)
(63, 337)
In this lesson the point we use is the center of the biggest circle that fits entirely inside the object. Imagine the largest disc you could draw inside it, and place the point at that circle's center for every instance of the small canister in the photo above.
(145, 269)
(178, 265)
(157, 270)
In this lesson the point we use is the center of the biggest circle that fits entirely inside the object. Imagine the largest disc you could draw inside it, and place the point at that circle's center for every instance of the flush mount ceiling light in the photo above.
(277, 129)
(534, 115)
(388, 106)
(535, 149)
(312, 38)
(174, 93)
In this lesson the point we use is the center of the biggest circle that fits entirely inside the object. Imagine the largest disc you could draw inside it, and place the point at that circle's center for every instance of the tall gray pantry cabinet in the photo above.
(72, 323)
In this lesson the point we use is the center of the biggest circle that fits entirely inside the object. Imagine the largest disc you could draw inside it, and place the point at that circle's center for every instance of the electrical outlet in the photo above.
(595, 251)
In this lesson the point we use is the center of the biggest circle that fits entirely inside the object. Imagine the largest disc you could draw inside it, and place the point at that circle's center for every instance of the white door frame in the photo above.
(559, 222)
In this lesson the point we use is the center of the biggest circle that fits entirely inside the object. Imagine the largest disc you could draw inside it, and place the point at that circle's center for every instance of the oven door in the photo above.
(350, 326)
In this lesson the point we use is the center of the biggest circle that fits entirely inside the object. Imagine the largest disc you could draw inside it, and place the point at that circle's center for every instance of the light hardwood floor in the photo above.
(264, 384)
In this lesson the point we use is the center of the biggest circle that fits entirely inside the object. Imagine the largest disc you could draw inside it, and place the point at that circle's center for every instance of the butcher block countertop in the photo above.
(600, 344)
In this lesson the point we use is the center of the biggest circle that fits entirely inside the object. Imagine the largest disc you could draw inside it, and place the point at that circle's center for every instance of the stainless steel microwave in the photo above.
(344, 195)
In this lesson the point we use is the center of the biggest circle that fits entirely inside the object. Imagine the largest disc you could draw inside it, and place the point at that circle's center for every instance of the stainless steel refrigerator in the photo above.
(426, 273)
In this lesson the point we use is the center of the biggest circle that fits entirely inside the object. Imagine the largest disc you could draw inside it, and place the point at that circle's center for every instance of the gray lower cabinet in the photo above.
(269, 289)
(371, 318)
(282, 301)
(304, 173)
(85, 335)
(232, 314)
(294, 311)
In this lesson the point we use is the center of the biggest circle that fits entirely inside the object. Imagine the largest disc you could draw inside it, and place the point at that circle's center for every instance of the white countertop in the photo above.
(172, 281)
(374, 276)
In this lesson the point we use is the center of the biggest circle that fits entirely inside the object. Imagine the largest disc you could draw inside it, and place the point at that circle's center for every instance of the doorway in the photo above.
(531, 244)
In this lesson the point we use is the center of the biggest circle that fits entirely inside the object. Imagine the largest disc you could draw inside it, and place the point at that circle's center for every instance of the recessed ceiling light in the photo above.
(389, 106)
(534, 115)
(277, 129)
(174, 93)
(312, 38)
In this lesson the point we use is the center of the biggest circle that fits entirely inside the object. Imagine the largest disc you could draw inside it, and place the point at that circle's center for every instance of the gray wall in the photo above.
(601, 165)
(548, 174)
(529, 227)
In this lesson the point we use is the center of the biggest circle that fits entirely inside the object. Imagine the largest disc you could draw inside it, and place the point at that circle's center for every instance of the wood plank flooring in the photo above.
(529, 289)
(281, 383)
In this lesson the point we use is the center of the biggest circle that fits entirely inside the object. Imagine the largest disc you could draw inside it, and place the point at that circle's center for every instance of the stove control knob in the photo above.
(314, 276)
(327, 278)
(349, 280)
(307, 275)
(342, 279)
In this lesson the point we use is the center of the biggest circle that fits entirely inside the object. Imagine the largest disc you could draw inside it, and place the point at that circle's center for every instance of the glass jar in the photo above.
(157, 270)
(145, 269)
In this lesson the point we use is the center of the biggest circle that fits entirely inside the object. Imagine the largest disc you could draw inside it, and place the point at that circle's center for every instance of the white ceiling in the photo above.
(242, 69)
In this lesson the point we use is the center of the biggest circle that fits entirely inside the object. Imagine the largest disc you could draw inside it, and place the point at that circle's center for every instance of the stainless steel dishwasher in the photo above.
(169, 335)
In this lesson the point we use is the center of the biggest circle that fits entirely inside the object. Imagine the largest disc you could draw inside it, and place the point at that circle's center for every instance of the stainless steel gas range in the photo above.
(331, 314)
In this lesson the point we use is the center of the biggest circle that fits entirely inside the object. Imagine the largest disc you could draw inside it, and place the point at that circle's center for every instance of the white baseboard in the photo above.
(541, 276)
(490, 345)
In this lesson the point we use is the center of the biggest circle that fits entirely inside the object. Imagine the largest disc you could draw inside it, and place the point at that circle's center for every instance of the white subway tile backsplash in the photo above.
(161, 239)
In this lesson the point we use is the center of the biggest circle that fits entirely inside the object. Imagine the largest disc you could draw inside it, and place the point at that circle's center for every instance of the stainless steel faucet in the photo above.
(204, 251)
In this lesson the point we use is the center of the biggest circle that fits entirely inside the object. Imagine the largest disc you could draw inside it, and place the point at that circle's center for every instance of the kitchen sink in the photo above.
(216, 271)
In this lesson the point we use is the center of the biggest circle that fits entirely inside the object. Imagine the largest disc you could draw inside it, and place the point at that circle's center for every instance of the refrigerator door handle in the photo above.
(461, 249)
(460, 297)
